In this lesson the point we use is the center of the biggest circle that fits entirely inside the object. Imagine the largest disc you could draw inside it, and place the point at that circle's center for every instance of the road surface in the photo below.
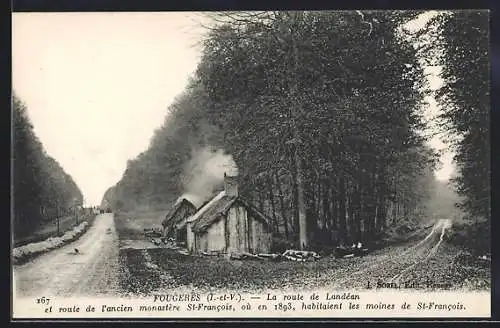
(396, 264)
(63, 272)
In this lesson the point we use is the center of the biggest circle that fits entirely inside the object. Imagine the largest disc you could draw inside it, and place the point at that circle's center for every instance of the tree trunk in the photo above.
(317, 202)
(357, 231)
(301, 206)
(370, 207)
(326, 207)
(342, 207)
(382, 205)
(349, 222)
(282, 206)
(381, 214)
(295, 201)
(296, 110)
(273, 207)
(57, 220)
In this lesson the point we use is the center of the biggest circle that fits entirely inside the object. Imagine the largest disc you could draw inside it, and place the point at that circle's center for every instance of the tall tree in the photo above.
(42, 190)
(460, 43)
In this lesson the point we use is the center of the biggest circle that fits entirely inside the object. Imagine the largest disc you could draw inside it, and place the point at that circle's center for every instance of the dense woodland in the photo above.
(460, 43)
(42, 190)
(323, 114)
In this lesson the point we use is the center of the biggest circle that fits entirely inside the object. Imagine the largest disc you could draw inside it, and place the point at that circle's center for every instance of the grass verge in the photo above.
(24, 253)
(46, 230)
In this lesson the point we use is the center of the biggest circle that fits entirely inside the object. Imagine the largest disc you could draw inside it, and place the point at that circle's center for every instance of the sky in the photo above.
(97, 85)
(431, 110)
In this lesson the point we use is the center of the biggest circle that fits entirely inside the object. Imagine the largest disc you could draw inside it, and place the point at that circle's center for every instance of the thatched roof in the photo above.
(207, 206)
(218, 208)
(172, 218)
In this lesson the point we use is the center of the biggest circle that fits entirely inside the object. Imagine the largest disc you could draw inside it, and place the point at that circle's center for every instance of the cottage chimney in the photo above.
(231, 183)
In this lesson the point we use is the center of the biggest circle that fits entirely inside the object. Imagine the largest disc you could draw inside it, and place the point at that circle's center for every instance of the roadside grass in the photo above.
(159, 269)
(49, 229)
(207, 272)
(135, 276)
(26, 252)
(470, 271)
(451, 265)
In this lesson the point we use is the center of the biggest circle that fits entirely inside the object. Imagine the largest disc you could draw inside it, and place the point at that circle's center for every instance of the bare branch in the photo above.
(363, 19)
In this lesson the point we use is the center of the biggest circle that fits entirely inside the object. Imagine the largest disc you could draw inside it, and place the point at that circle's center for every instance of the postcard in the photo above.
(262, 164)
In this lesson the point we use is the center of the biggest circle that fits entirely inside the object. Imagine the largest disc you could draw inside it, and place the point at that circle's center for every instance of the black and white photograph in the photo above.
(167, 155)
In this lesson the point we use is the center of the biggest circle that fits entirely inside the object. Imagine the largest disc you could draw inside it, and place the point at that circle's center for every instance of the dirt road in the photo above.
(63, 272)
(397, 264)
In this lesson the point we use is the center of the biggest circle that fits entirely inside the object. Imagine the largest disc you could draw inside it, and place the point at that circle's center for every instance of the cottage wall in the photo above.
(237, 224)
(213, 240)
(190, 237)
(181, 234)
(200, 243)
(238, 232)
(245, 233)
(260, 237)
(183, 213)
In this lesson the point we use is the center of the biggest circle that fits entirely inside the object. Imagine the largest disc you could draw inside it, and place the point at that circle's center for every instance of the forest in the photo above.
(323, 114)
(43, 191)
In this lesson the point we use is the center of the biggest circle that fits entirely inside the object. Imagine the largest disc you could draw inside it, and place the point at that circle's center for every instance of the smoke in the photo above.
(204, 173)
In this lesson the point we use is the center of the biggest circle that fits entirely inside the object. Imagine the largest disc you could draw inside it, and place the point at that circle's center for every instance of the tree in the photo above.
(459, 42)
(41, 187)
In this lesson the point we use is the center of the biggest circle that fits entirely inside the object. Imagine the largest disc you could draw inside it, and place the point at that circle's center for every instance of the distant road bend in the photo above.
(63, 272)
(396, 263)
